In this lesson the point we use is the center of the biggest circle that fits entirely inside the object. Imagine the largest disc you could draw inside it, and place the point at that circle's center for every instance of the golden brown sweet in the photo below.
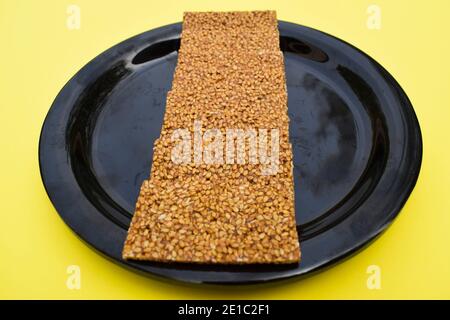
(230, 75)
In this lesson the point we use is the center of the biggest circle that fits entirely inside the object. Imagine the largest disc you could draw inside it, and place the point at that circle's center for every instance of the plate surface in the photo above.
(356, 142)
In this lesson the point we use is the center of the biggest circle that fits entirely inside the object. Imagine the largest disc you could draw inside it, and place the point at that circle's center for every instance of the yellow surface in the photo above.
(38, 56)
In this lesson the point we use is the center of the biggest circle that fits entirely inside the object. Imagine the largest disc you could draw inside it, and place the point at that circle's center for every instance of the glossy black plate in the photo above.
(356, 141)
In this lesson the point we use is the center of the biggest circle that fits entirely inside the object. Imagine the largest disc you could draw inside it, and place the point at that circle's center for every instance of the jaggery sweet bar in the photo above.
(220, 212)
(220, 31)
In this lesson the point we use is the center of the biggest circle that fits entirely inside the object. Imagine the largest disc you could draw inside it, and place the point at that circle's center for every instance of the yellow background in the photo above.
(38, 56)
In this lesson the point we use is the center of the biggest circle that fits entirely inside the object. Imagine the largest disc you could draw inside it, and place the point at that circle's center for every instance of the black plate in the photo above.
(356, 141)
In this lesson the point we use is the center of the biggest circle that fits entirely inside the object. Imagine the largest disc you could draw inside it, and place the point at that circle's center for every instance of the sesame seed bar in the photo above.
(229, 20)
(230, 74)
(231, 71)
(220, 31)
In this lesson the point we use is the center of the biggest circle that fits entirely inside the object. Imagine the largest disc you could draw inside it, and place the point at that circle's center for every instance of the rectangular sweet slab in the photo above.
(230, 75)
